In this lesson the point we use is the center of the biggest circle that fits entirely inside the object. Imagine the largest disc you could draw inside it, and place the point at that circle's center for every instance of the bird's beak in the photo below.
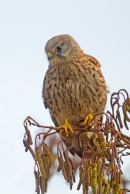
(49, 55)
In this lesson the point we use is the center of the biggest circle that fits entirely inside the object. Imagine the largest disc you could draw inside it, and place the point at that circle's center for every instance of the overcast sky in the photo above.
(102, 28)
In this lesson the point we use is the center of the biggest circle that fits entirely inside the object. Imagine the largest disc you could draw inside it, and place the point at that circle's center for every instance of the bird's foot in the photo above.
(88, 120)
(66, 127)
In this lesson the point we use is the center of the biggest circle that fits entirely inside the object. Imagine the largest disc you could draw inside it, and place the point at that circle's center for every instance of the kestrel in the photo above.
(74, 86)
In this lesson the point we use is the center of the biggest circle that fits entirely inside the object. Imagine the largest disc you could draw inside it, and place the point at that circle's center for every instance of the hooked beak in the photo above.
(49, 55)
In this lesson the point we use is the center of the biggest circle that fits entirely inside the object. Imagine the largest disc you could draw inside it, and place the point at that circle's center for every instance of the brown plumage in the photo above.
(74, 85)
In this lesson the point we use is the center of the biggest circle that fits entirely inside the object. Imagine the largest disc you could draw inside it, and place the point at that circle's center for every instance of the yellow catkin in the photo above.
(85, 178)
(87, 174)
(101, 145)
(94, 178)
(99, 175)
(106, 185)
(116, 188)
(95, 139)
(46, 166)
(46, 159)
(39, 159)
(90, 172)
(106, 188)
(48, 155)
(100, 178)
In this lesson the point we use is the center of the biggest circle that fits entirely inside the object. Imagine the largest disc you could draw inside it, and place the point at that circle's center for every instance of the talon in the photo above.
(88, 120)
(66, 127)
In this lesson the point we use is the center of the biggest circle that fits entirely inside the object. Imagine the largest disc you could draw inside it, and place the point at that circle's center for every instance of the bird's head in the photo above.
(61, 47)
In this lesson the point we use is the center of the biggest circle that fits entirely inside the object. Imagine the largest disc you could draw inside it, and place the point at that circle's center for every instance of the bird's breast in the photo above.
(73, 91)
(65, 96)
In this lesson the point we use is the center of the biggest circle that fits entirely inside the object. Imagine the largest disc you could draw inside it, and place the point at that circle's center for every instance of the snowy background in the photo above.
(102, 28)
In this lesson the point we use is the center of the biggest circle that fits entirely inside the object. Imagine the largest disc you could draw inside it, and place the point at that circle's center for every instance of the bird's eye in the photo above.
(58, 48)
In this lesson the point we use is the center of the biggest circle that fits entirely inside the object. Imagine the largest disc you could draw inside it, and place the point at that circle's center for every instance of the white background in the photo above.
(102, 28)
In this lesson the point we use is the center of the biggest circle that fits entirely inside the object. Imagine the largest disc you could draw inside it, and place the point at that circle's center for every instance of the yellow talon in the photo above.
(66, 127)
(88, 120)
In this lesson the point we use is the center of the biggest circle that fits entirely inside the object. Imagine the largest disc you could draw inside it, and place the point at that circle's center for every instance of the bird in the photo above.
(74, 88)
